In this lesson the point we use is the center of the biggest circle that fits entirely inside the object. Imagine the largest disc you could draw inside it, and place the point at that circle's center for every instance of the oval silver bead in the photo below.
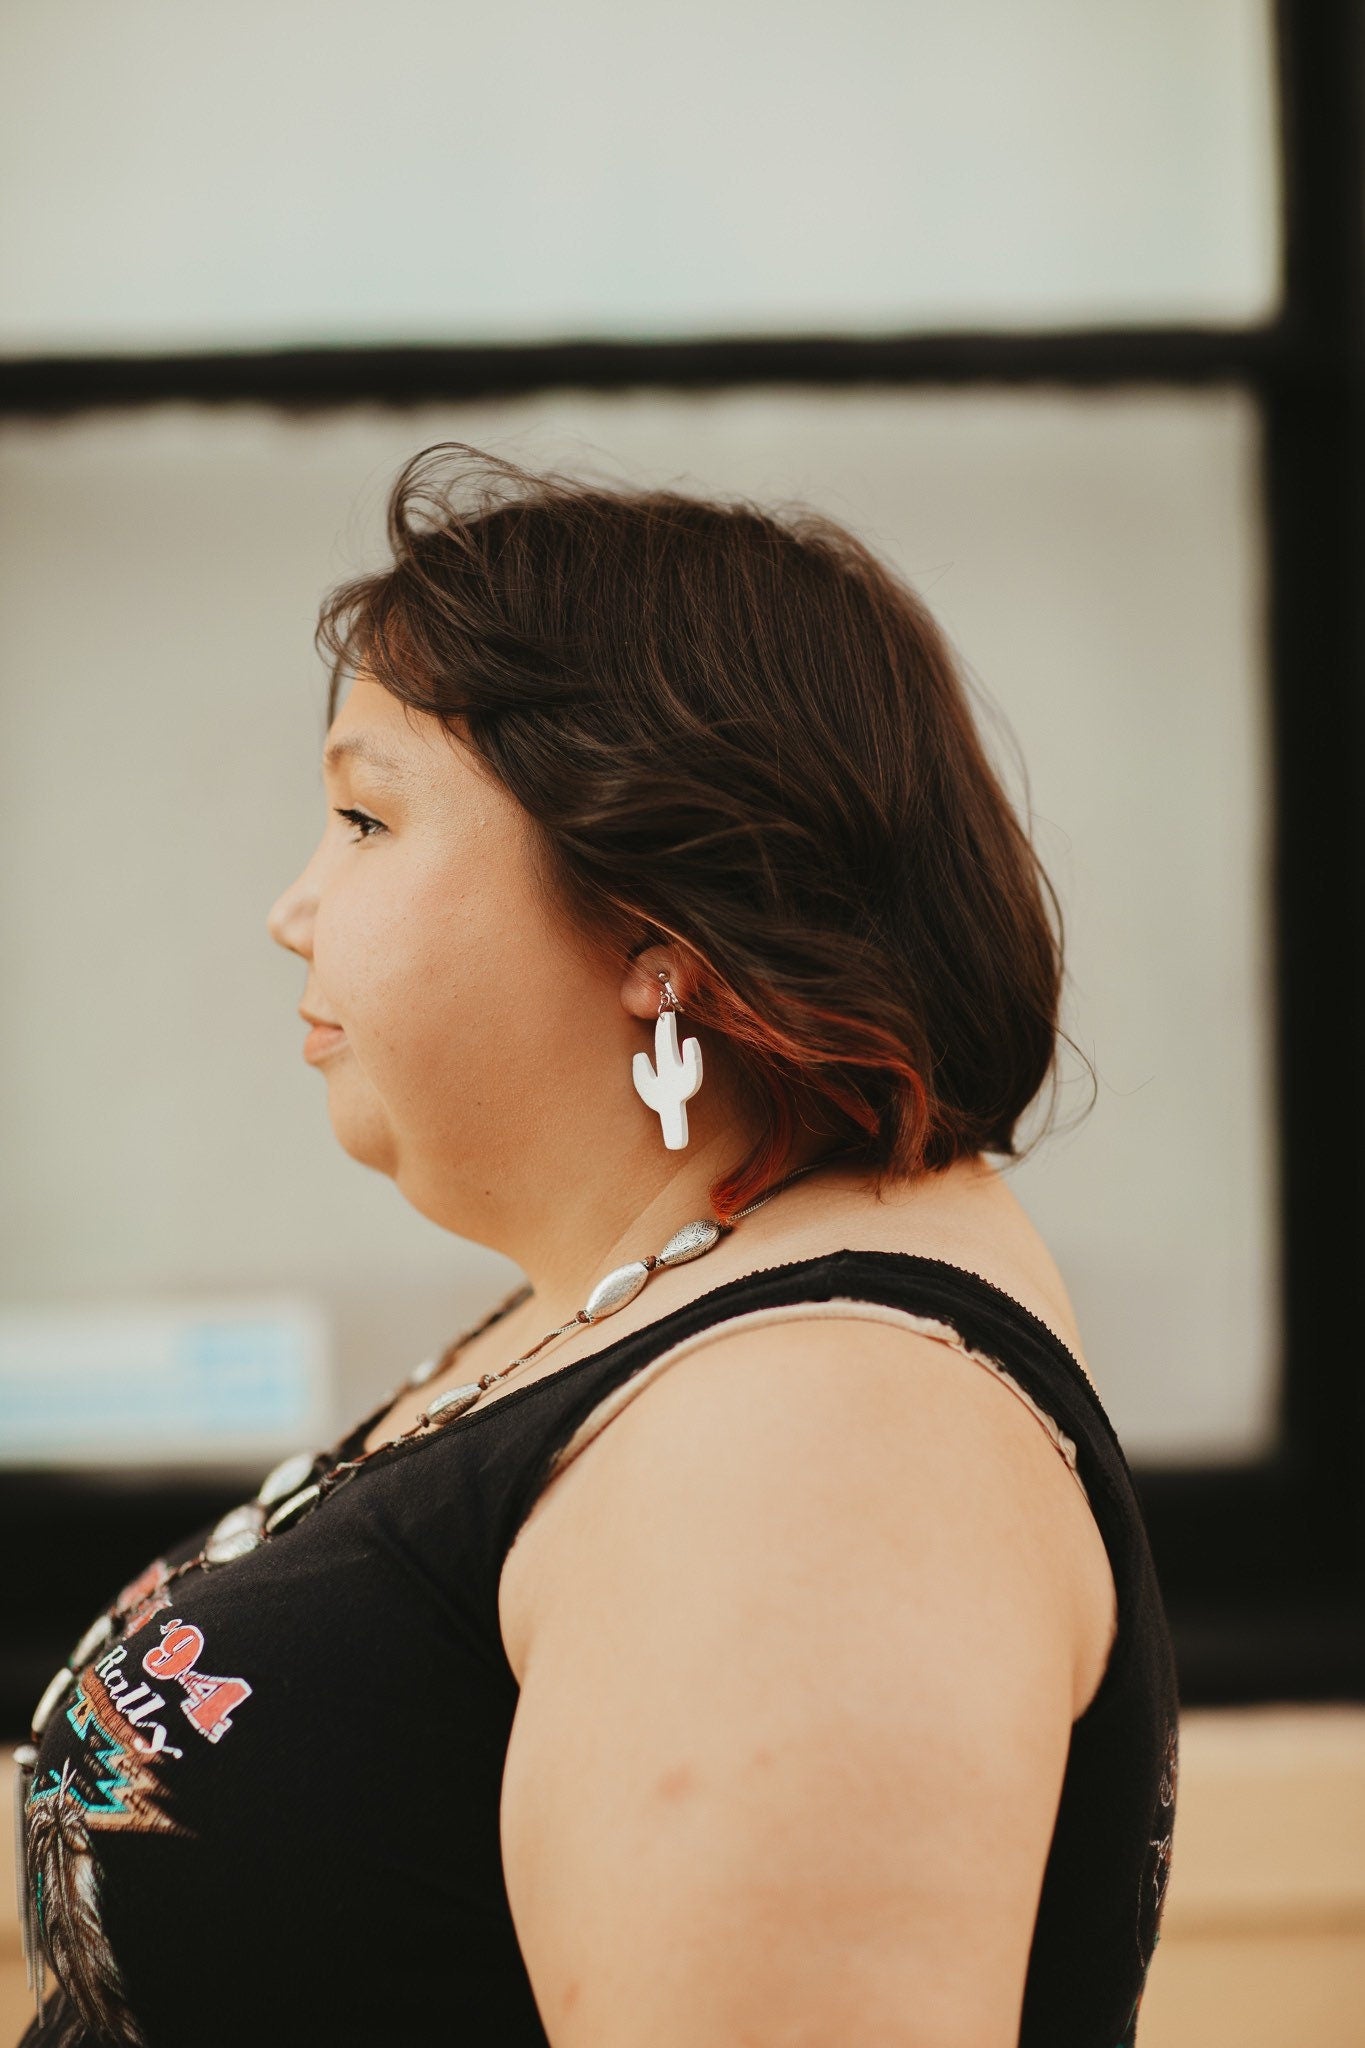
(94, 1638)
(52, 1692)
(286, 1477)
(237, 1543)
(616, 1290)
(289, 1509)
(453, 1402)
(690, 1242)
(250, 1515)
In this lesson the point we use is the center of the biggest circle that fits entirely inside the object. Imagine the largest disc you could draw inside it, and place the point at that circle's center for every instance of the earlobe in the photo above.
(648, 962)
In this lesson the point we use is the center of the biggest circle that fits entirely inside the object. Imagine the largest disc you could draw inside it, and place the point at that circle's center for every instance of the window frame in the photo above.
(1262, 1563)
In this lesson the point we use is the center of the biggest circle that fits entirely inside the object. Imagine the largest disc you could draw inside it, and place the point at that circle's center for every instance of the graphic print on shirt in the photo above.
(143, 1596)
(1157, 1873)
(111, 1781)
(114, 1777)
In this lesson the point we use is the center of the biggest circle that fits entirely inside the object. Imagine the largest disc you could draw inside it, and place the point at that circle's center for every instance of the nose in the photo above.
(290, 922)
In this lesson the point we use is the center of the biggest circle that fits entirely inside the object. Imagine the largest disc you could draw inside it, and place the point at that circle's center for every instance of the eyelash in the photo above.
(359, 818)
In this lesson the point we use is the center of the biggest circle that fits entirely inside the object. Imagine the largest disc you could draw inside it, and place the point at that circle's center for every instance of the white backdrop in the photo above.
(1097, 562)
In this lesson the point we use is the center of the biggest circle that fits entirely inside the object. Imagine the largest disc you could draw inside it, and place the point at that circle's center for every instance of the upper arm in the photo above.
(790, 1740)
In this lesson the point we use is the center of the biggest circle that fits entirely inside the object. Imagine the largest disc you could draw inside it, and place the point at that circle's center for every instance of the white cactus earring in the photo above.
(675, 1076)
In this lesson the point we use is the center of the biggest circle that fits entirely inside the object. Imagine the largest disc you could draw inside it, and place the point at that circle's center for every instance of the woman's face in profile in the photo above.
(427, 940)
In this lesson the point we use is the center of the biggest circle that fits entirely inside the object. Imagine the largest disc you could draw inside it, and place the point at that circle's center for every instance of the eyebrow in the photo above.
(365, 749)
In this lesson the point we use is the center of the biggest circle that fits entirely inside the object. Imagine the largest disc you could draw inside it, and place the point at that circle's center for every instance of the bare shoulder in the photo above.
(803, 1694)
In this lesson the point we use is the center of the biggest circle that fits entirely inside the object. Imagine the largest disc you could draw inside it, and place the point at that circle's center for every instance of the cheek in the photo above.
(364, 952)
(444, 968)
(416, 966)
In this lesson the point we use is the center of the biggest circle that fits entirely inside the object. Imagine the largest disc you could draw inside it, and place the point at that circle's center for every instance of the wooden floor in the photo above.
(1263, 1941)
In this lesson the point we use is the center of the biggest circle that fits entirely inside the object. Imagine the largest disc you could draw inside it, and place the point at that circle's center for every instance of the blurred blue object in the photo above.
(156, 1382)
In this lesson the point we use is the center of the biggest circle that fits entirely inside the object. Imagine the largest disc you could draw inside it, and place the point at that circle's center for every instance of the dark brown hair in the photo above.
(744, 735)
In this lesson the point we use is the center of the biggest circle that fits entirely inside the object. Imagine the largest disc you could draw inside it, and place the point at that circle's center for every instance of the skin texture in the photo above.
(796, 1691)
(792, 1731)
(485, 1050)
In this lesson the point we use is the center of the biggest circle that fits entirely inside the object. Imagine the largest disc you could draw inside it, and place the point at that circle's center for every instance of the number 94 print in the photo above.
(209, 1702)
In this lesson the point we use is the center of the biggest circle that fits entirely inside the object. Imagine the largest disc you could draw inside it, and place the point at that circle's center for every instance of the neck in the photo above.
(564, 1268)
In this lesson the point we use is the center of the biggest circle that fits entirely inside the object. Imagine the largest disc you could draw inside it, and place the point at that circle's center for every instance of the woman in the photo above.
(786, 1661)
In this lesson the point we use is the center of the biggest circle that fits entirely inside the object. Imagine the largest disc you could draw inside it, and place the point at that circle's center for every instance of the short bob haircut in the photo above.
(744, 735)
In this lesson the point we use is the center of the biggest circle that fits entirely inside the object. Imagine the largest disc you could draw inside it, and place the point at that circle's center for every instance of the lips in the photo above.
(322, 1040)
(327, 1023)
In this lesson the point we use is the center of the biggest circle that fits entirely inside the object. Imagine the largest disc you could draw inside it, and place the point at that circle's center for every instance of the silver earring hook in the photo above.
(667, 996)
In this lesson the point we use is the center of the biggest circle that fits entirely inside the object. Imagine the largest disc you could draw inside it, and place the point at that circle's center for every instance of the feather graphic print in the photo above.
(108, 1784)
(65, 1880)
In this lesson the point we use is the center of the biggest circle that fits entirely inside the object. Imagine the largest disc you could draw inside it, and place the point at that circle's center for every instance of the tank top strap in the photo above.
(529, 1436)
(838, 1308)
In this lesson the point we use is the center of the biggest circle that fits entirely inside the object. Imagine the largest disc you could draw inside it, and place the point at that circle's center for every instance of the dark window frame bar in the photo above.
(1262, 1563)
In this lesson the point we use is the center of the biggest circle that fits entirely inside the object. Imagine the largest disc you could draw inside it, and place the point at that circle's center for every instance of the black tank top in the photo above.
(269, 1810)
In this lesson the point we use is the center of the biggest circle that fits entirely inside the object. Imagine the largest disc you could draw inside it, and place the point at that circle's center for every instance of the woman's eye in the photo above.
(360, 819)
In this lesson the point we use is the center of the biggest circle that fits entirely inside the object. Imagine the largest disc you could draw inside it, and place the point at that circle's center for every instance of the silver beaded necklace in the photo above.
(299, 1482)
(297, 1485)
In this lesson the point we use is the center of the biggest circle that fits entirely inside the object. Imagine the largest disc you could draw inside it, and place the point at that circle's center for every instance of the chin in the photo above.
(367, 1138)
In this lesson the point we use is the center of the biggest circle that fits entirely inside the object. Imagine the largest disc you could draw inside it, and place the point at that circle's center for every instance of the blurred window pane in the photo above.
(263, 175)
